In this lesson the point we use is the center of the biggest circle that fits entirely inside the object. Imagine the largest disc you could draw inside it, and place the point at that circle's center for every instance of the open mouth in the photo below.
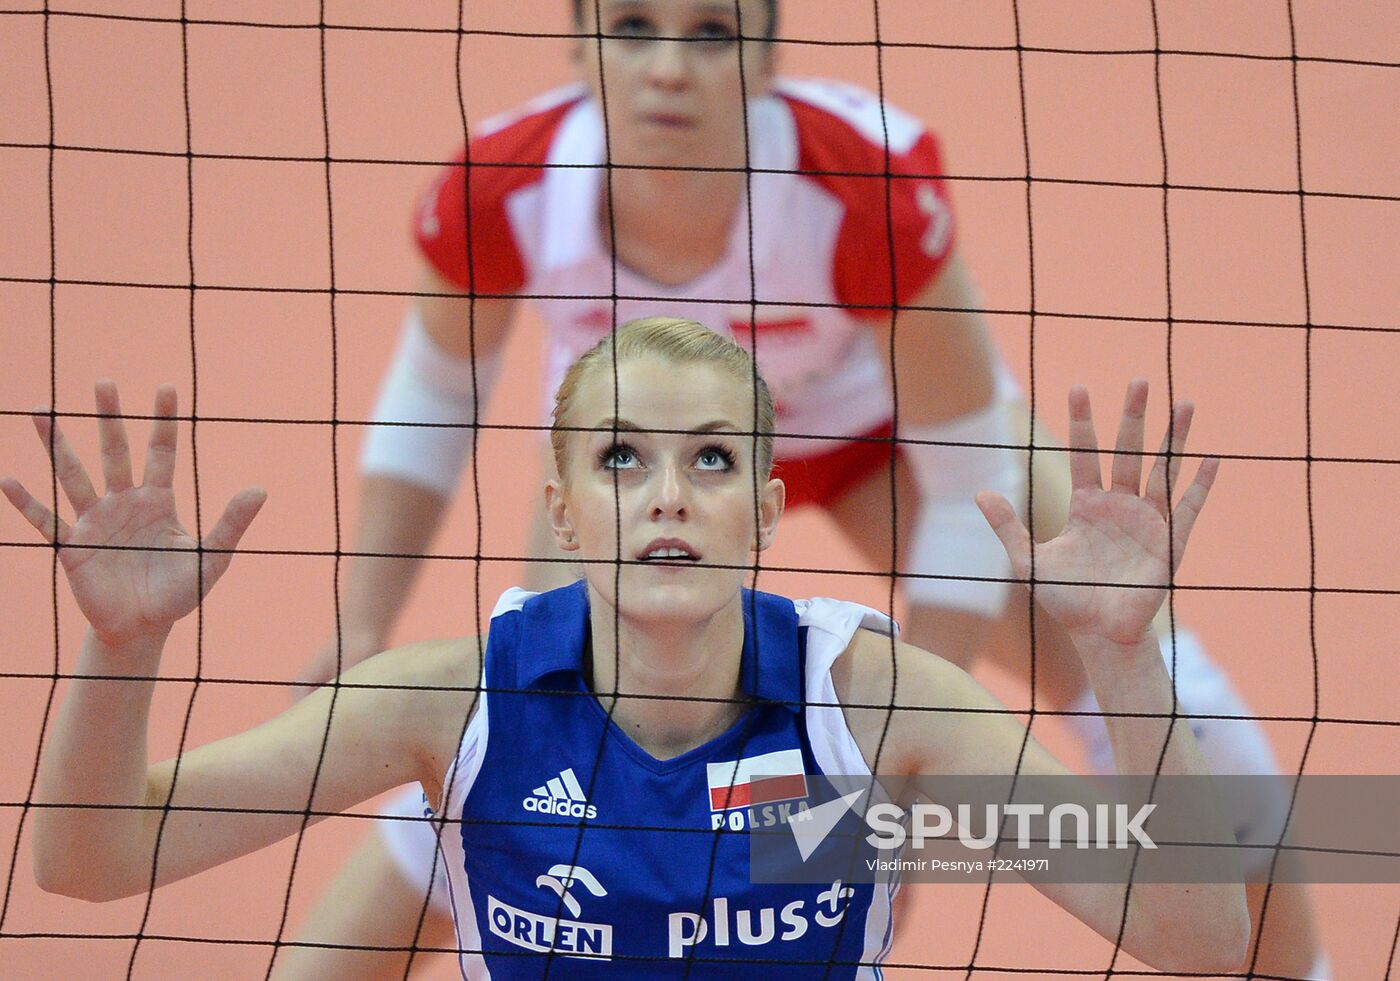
(669, 552)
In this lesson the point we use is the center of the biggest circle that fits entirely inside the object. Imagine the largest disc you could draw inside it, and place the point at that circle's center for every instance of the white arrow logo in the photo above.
(810, 828)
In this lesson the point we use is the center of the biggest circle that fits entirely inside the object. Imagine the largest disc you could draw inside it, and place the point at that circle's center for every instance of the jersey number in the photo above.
(940, 221)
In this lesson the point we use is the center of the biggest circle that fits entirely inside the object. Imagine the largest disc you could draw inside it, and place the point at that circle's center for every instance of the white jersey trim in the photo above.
(460, 778)
(543, 102)
(830, 626)
(462, 775)
(863, 111)
(570, 189)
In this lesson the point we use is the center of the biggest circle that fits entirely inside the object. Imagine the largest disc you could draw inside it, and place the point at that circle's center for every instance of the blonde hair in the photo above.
(678, 341)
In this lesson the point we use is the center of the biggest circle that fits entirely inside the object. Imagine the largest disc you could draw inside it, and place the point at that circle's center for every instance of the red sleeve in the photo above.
(494, 166)
(911, 210)
(916, 214)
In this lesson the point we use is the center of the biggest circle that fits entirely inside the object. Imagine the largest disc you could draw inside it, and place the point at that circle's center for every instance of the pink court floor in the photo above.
(1277, 313)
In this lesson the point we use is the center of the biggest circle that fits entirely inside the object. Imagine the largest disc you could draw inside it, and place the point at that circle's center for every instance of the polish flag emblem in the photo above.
(755, 780)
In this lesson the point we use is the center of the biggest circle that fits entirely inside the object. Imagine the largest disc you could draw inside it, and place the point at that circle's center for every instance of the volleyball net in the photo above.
(218, 195)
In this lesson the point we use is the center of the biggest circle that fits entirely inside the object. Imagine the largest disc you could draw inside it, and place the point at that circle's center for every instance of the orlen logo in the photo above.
(756, 927)
(561, 795)
(539, 932)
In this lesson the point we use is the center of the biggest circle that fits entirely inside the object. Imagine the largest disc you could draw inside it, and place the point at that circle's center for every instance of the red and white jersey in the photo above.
(816, 262)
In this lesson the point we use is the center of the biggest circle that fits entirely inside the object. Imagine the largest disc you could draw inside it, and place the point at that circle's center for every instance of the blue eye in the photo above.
(715, 458)
(618, 456)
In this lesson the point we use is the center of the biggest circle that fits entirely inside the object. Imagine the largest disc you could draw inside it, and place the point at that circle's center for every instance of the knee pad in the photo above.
(951, 462)
(429, 406)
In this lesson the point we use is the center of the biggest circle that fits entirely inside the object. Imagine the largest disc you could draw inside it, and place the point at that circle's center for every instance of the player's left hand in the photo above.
(1107, 572)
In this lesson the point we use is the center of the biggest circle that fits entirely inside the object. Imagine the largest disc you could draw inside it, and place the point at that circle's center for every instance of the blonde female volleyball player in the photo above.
(733, 185)
(635, 684)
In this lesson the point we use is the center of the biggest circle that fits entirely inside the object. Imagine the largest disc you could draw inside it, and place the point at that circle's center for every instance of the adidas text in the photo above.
(561, 795)
(563, 808)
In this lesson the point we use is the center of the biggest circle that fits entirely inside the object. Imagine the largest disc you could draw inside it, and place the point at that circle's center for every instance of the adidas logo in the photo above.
(563, 796)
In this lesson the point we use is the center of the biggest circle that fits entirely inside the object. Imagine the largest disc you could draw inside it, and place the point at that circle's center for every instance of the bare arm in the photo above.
(134, 572)
(1172, 927)
(1102, 580)
(236, 795)
(396, 518)
(943, 358)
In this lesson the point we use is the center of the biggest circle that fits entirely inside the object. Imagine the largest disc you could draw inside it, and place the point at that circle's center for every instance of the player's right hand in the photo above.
(133, 569)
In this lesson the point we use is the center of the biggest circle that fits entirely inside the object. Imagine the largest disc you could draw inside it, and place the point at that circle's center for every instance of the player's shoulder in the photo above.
(524, 135)
(837, 122)
(507, 155)
(415, 696)
(449, 664)
(886, 689)
(879, 670)
(849, 142)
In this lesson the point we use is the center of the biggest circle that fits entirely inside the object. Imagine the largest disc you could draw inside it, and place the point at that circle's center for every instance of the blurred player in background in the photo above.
(682, 177)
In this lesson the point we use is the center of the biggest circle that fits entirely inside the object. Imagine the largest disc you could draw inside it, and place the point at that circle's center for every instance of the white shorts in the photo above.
(413, 845)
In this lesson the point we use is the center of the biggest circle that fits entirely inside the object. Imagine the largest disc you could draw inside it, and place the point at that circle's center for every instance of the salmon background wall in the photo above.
(268, 357)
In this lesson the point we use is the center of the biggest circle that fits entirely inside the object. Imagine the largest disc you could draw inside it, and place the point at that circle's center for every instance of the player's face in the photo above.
(674, 76)
(672, 493)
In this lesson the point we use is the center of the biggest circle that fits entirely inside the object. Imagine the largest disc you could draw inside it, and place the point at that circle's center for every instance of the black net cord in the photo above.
(335, 422)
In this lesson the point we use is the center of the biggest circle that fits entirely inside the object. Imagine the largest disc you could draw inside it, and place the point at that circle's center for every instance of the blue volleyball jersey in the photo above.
(571, 852)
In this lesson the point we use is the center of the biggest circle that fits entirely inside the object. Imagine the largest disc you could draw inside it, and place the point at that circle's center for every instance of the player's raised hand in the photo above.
(1107, 572)
(132, 568)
